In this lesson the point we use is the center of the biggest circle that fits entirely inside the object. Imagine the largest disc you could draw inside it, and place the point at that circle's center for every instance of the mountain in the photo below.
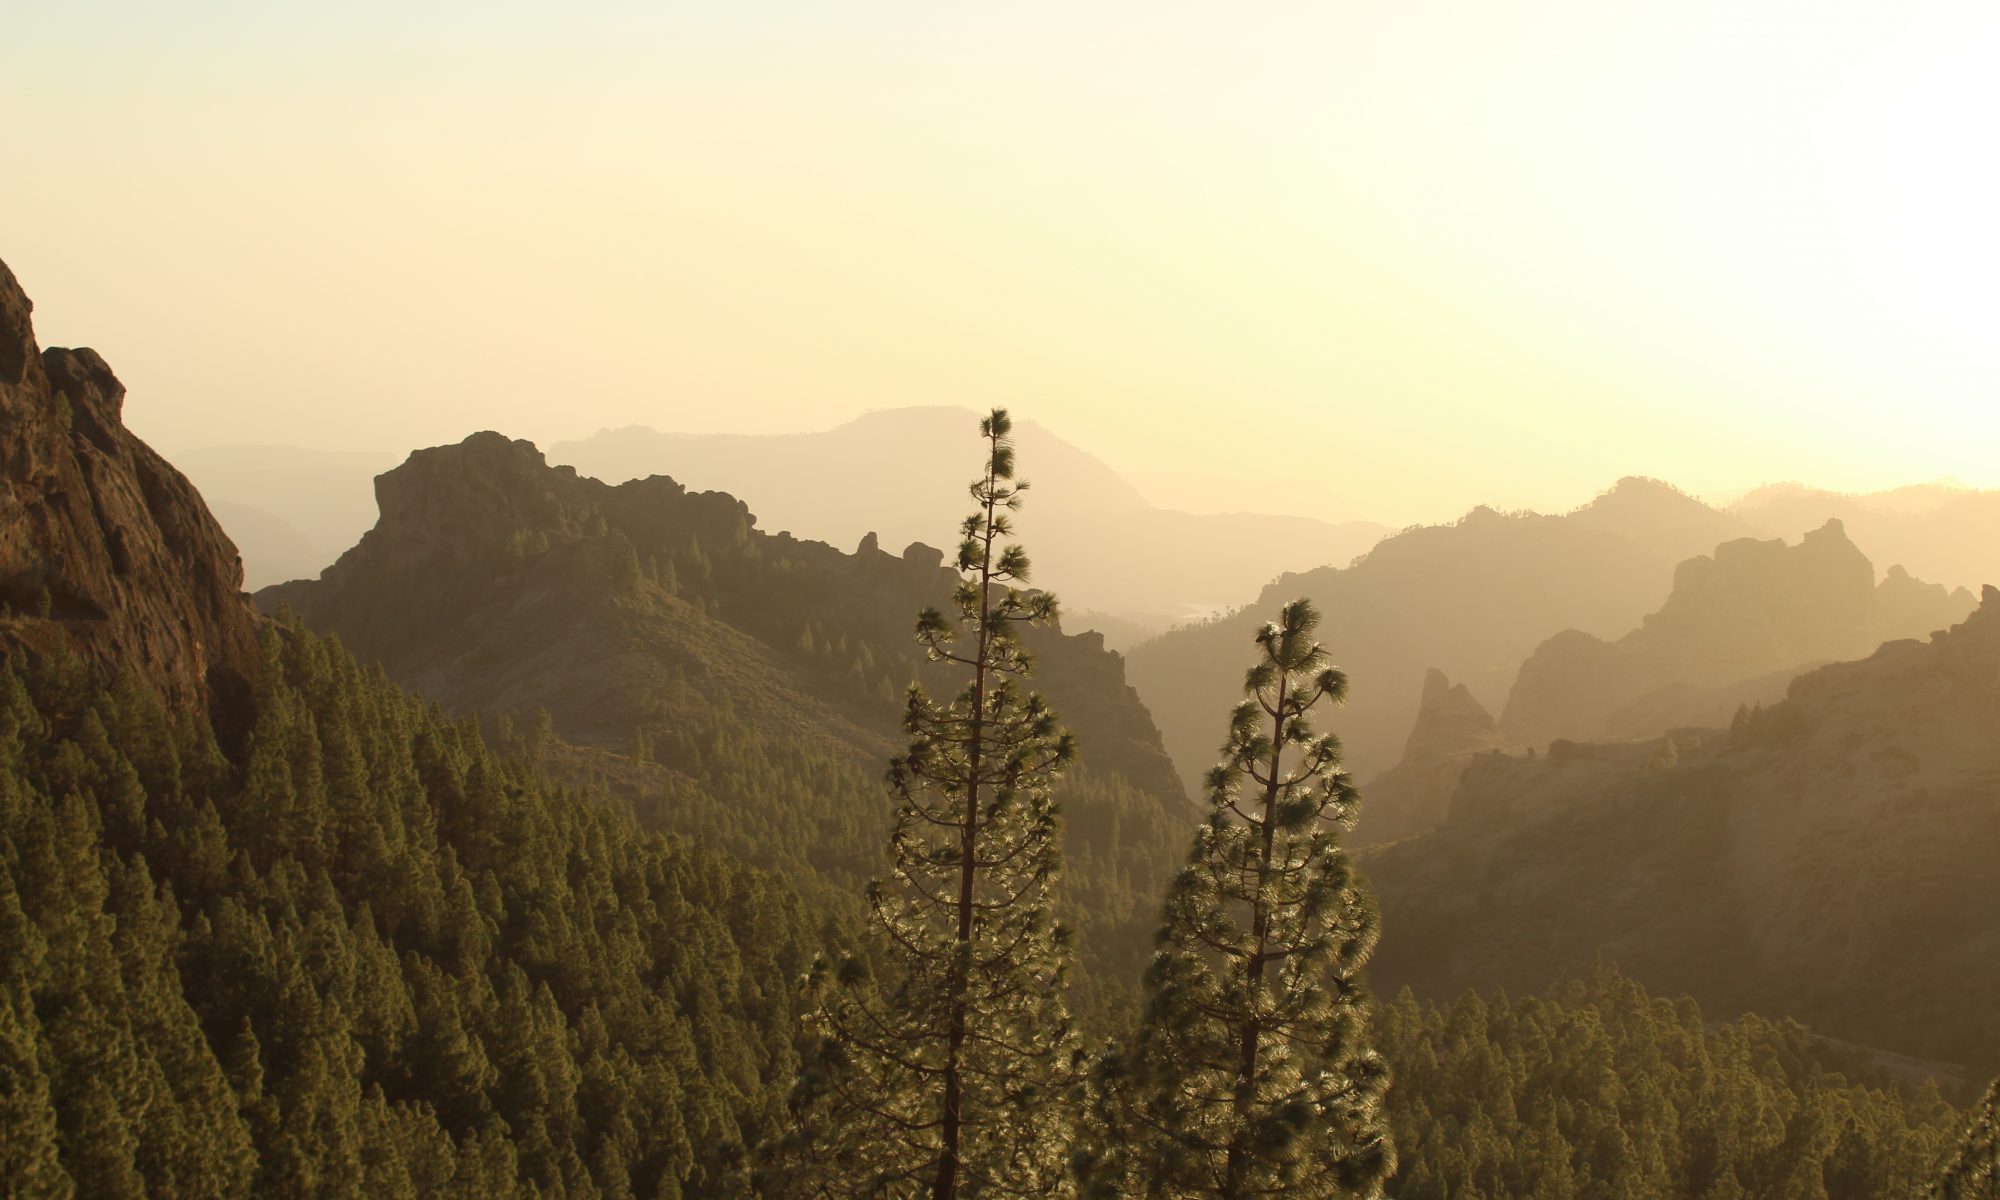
(104, 548)
(891, 463)
(1738, 625)
(1452, 728)
(1473, 599)
(896, 473)
(1830, 858)
(759, 675)
(1944, 532)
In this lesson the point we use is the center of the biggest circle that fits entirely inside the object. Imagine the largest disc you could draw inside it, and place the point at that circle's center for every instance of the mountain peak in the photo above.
(1450, 721)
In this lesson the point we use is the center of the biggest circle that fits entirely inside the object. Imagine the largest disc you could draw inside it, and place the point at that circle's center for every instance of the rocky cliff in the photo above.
(1738, 626)
(104, 547)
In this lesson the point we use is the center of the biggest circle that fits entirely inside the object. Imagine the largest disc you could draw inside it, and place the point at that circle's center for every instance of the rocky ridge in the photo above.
(1739, 624)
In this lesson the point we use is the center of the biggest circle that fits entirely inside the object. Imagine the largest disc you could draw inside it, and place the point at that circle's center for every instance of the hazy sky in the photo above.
(1402, 256)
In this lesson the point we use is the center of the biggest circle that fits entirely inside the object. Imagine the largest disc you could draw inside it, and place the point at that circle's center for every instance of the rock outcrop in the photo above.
(1452, 728)
(493, 580)
(1738, 626)
(104, 547)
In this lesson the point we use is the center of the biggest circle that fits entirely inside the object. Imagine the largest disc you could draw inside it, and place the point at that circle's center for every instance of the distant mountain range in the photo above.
(1738, 627)
(1943, 532)
(1098, 542)
(1472, 599)
(1129, 568)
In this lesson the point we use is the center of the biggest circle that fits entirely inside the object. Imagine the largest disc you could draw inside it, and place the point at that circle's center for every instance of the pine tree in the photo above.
(949, 1077)
(1974, 1171)
(1250, 1074)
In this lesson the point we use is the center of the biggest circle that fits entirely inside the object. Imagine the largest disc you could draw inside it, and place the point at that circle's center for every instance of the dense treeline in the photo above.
(788, 804)
(379, 958)
(1597, 1091)
(372, 959)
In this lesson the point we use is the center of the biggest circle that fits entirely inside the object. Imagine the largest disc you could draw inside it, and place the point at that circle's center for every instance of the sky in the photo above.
(1361, 260)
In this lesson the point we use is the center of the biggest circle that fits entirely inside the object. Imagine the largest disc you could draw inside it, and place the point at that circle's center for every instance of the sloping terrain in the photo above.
(1829, 858)
(270, 926)
(762, 675)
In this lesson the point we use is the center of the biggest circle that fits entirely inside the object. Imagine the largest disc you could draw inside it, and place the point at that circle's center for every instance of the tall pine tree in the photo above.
(950, 1077)
(1250, 1074)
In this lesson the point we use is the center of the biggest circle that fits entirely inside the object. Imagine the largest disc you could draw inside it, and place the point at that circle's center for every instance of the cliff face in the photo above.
(1452, 729)
(1738, 626)
(104, 547)
(1830, 857)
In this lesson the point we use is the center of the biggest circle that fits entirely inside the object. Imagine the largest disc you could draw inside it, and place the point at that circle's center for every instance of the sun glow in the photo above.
(1713, 242)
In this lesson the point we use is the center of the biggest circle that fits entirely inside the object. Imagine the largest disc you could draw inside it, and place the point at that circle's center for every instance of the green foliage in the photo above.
(1759, 726)
(949, 1075)
(1597, 1090)
(1250, 1074)
(527, 543)
(370, 958)
(1974, 1170)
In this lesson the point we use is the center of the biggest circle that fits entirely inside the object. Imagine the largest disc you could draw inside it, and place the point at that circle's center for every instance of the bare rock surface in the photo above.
(104, 547)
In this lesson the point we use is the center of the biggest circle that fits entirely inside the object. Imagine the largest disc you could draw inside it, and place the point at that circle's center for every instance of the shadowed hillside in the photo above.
(758, 677)
(1829, 858)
